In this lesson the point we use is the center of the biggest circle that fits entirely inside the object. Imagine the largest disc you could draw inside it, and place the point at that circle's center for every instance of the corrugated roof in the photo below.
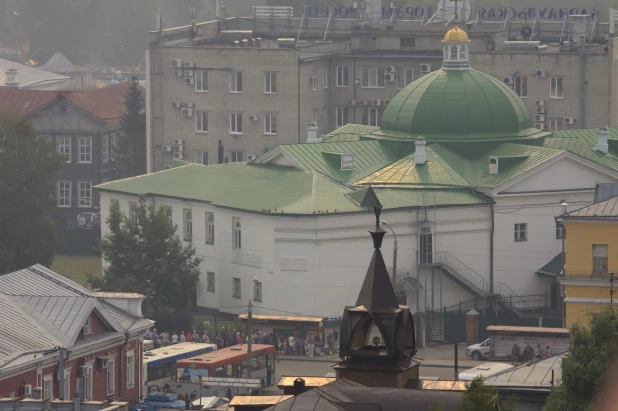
(32, 77)
(546, 373)
(605, 209)
(553, 268)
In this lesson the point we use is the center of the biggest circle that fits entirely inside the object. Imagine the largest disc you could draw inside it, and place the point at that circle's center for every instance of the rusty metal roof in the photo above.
(605, 210)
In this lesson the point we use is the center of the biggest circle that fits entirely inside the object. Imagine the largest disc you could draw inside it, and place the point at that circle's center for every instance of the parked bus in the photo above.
(230, 363)
(159, 363)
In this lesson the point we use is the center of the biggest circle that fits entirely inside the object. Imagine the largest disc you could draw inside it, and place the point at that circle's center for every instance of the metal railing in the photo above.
(520, 304)
(464, 273)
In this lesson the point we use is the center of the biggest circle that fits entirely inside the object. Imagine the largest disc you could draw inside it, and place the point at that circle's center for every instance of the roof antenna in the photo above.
(192, 13)
(159, 20)
(456, 13)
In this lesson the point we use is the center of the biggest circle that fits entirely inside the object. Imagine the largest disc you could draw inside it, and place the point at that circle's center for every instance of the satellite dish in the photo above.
(446, 8)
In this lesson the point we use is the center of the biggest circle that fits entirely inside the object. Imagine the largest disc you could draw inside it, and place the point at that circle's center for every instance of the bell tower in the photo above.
(377, 335)
(456, 47)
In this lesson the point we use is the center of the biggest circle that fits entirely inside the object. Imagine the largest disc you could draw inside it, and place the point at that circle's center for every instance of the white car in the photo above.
(479, 351)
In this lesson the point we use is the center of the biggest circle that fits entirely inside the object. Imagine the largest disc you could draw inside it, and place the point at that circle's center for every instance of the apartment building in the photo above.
(230, 90)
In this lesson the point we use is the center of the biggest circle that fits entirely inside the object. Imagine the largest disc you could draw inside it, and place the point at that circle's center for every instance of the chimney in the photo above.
(602, 140)
(419, 153)
(11, 78)
(299, 386)
(312, 133)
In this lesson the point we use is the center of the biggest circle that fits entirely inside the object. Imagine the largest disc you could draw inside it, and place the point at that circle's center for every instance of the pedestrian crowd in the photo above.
(529, 354)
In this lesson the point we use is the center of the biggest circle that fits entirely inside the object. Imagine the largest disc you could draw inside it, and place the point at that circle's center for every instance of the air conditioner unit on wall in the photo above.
(102, 363)
(508, 80)
(351, 102)
(539, 103)
(376, 102)
(176, 63)
(387, 101)
(390, 77)
(189, 64)
(251, 157)
(189, 80)
(569, 120)
(179, 141)
(540, 110)
(425, 68)
(177, 148)
(187, 112)
(178, 155)
(390, 69)
(539, 117)
(166, 167)
(540, 73)
(166, 148)
(188, 73)
(26, 390)
(178, 73)
(177, 104)
(539, 126)
(254, 118)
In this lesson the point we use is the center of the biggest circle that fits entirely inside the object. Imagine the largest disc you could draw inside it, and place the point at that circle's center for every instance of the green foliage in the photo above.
(585, 369)
(131, 147)
(146, 256)
(28, 167)
(480, 397)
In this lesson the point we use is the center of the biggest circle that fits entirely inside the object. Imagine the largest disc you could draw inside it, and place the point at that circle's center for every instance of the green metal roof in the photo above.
(453, 105)
(553, 268)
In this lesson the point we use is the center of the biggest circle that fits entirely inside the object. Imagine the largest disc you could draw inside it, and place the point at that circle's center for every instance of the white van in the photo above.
(484, 370)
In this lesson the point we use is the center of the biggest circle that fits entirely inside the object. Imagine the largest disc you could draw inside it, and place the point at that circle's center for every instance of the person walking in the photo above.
(515, 355)
(165, 339)
(155, 338)
(175, 338)
(183, 337)
(311, 345)
(292, 344)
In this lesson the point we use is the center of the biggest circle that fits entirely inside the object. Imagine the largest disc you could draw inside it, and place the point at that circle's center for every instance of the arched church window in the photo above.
(462, 52)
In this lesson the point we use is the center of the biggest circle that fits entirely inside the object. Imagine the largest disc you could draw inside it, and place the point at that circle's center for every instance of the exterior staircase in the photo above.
(463, 275)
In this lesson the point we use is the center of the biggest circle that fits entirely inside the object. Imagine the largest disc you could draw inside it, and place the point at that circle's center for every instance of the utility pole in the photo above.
(611, 288)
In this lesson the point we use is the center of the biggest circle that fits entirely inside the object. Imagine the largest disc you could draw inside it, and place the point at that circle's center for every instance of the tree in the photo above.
(28, 167)
(586, 367)
(480, 397)
(131, 147)
(145, 255)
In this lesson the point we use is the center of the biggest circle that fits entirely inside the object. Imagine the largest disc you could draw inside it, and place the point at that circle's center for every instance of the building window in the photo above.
(48, 387)
(270, 124)
(87, 329)
(520, 85)
(314, 79)
(236, 82)
(85, 149)
(405, 76)
(559, 230)
(237, 233)
(188, 224)
(130, 370)
(236, 156)
(325, 77)
(372, 77)
(556, 87)
(236, 123)
(521, 232)
(210, 281)
(64, 194)
(343, 79)
(270, 83)
(201, 122)
(462, 52)
(105, 148)
(64, 147)
(371, 116)
(599, 258)
(202, 158)
(342, 116)
(257, 291)
(555, 124)
(407, 42)
(347, 162)
(315, 116)
(110, 376)
(201, 80)
(210, 228)
(85, 193)
(133, 210)
(63, 108)
(168, 213)
(67, 385)
(453, 53)
(113, 145)
(236, 287)
(87, 380)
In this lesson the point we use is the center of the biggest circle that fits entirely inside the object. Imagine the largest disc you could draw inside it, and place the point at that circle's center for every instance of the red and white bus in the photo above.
(230, 362)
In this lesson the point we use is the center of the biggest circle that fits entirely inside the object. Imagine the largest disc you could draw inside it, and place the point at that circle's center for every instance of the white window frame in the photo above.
(210, 281)
(48, 394)
(201, 122)
(105, 148)
(67, 384)
(600, 255)
(210, 228)
(84, 201)
(85, 143)
(234, 83)
(64, 201)
(556, 92)
(187, 224)
(270, 82)
(518, 86)
(110, 377)
(270, 124)
(200, 158)
(113, 145)
(64, 146)
(236, 281)
(257, 291)
(372, 77)
(556, 124)
(236, 233)
(201, 81)
(325, 77)
(236, 156)
(315, 116)
(559, 230)
(87, 380)
(343, 76)
(342, 116)
(521, 232)
(130, 367)
(314, 79)
(236, 123)
(371, 116)
(87, 328)
(405, 76)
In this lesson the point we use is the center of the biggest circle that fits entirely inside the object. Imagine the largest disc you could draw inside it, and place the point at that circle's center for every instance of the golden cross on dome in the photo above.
(456, 13)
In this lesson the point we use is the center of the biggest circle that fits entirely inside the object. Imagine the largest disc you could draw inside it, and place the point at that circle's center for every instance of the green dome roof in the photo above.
(457, 105)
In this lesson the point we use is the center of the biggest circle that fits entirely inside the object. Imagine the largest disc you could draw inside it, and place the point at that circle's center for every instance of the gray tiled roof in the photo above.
(40, 309)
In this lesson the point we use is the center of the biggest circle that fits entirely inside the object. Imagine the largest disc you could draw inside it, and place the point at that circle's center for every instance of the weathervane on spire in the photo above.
(456, 13)
(377, 209)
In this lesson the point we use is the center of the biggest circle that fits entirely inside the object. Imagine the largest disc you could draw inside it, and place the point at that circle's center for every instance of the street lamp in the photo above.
(394, 252)
(249, 331)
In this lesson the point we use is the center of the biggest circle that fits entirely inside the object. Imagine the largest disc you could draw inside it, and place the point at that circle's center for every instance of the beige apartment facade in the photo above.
(239, 89)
